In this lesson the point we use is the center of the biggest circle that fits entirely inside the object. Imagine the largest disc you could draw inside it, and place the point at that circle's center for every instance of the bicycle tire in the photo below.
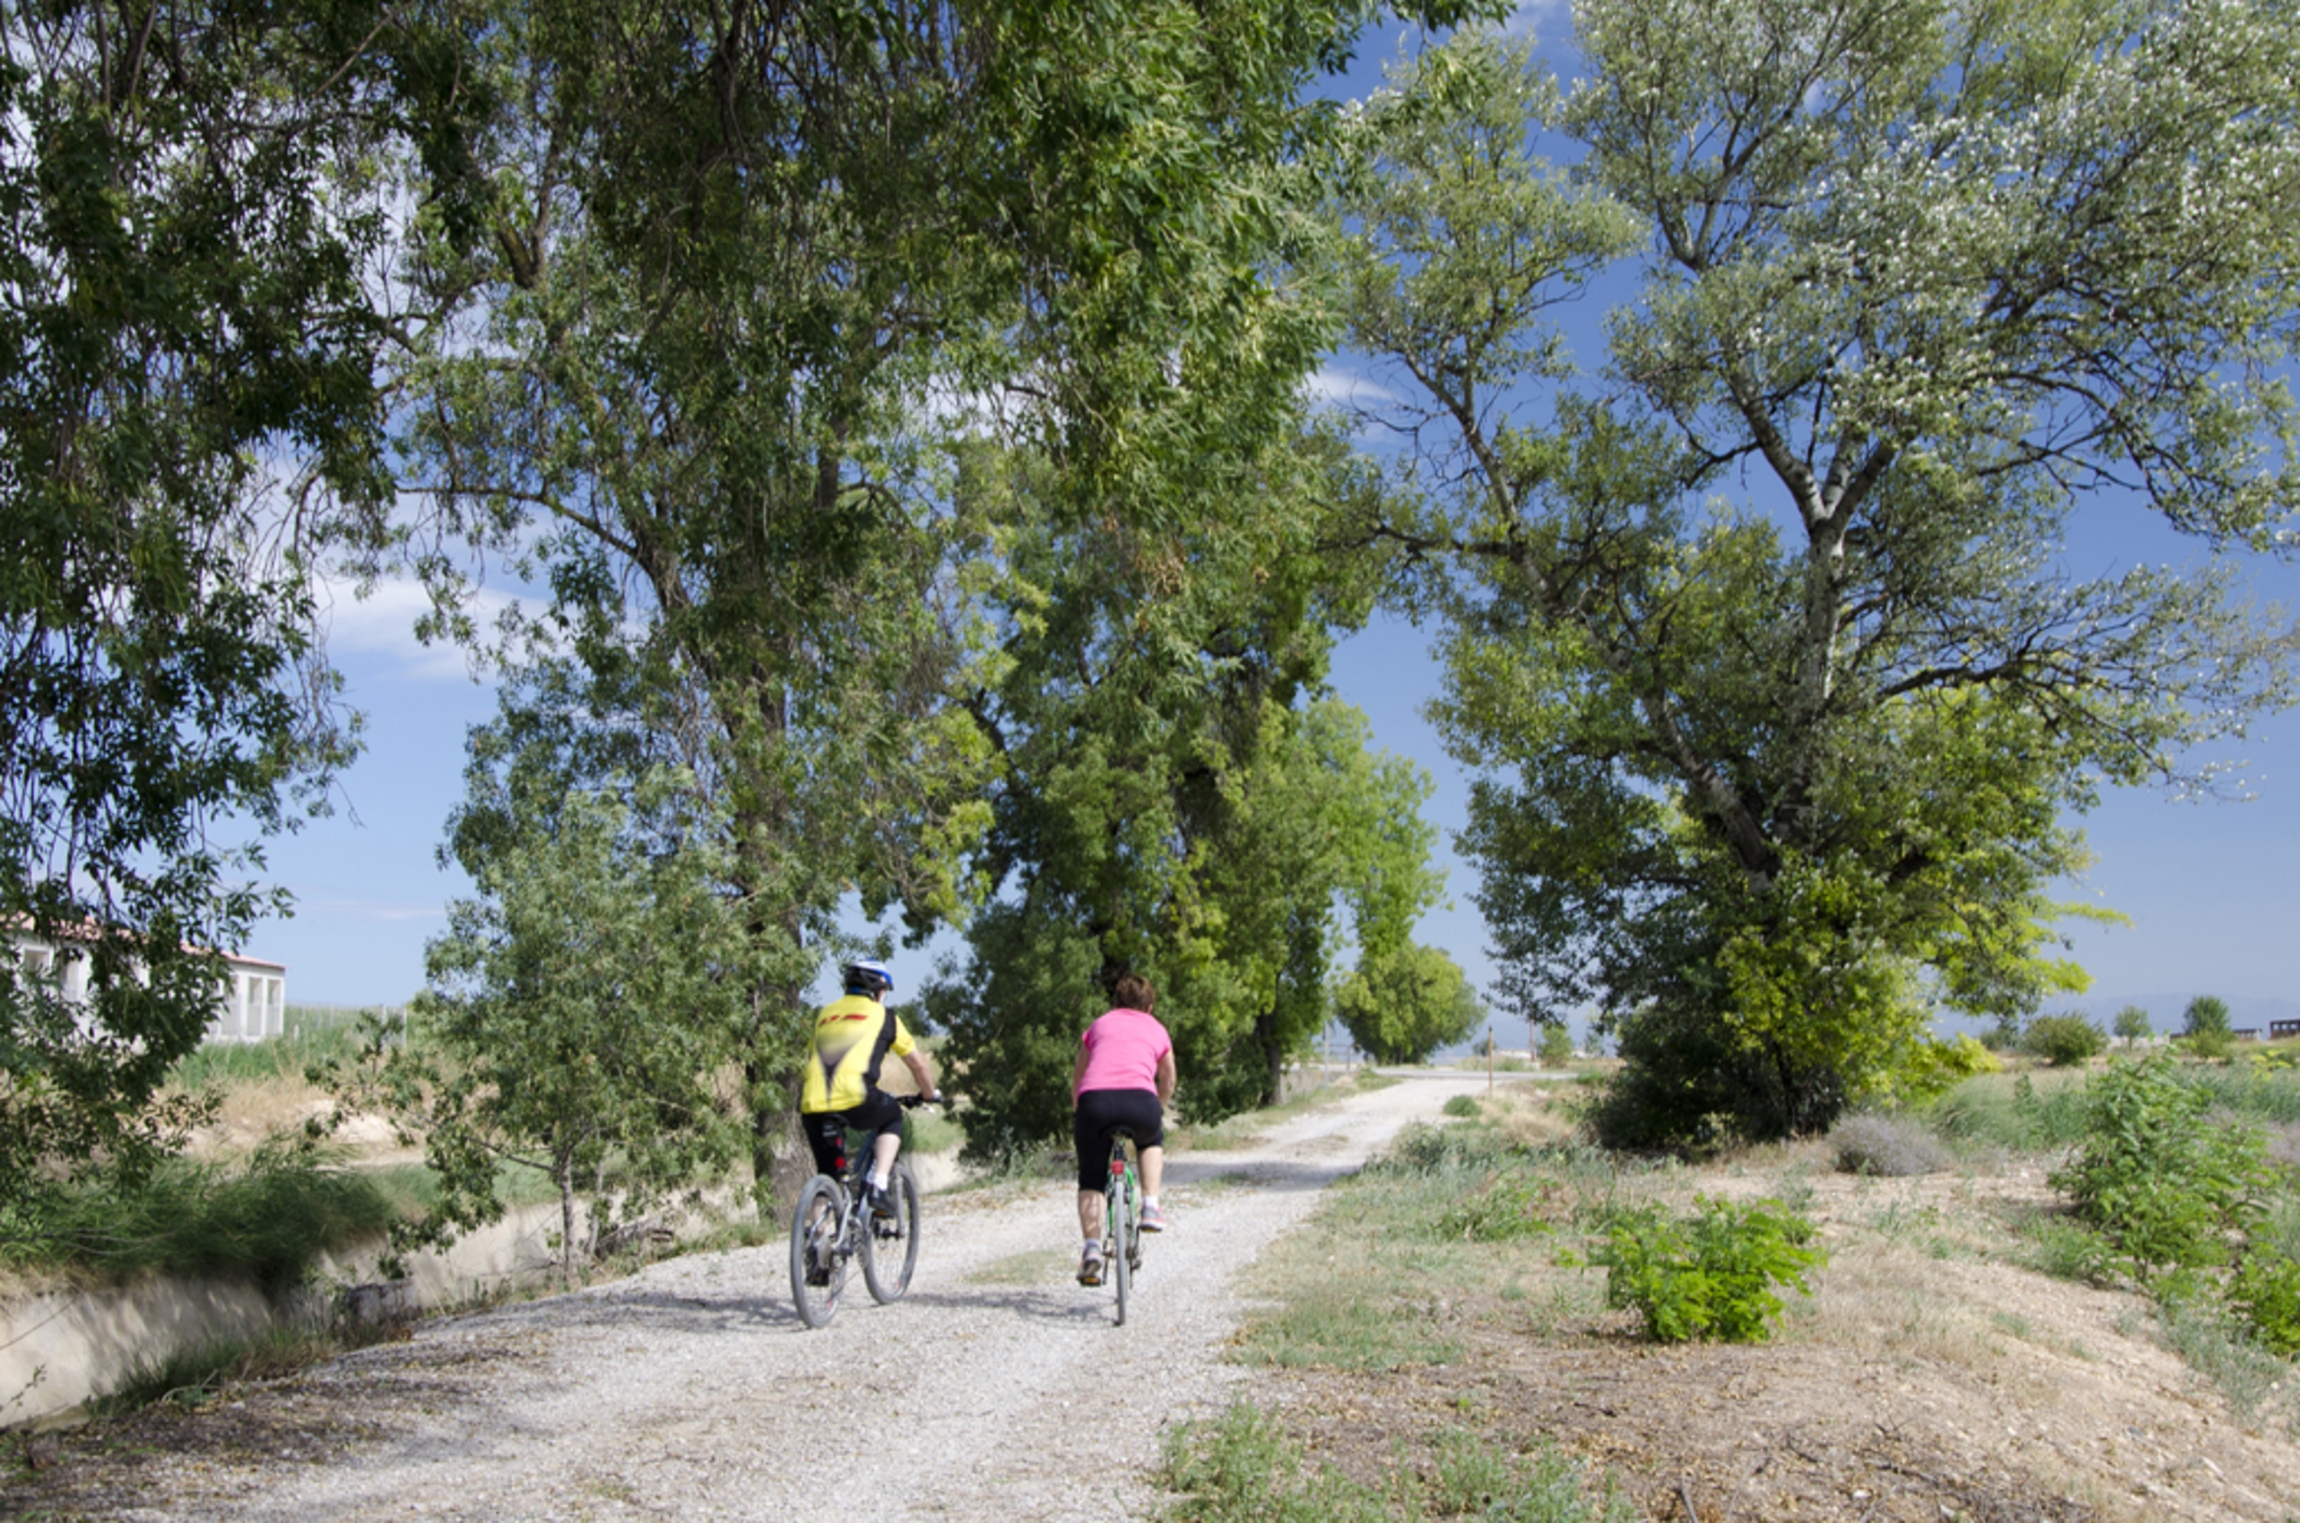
(887, 1262)
(815, 1226)
(1121, 1272)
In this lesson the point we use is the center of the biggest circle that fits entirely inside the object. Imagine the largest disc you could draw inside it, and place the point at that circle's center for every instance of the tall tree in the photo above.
(186, 365)
(1781, 678)
(580, 1008)
(1402, 1006)
(1174, 797)
(747, 263)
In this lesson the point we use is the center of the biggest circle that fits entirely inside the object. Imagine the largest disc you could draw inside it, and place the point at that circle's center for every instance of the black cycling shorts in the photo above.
(879, 1114)
(1103, 1111)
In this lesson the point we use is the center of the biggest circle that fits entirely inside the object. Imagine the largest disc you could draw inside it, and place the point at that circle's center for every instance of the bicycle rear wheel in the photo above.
(890, 1249)
(1121, 1228)
(818, 1269)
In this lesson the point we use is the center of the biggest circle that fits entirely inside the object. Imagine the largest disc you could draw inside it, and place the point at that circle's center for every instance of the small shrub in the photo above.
(1883, 1146)
(2131, 1024)
(2064, 1041)
(2164, 1181)
(1461, 1105)
(1555, 1047)
(1710, 1275)
(2266, 1288)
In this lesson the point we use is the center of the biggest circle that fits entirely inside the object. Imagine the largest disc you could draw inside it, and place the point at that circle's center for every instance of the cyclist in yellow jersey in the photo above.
(853, 1035)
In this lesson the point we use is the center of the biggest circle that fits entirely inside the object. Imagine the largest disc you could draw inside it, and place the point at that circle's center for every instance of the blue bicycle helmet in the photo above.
(867, 977)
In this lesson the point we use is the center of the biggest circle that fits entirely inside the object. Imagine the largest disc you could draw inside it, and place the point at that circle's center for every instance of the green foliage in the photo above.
(1710, 1275)
(2158, 1175)
(2206, 1016)
(577, 1012)
(2064, 1041)
(268, 1222)
(2013, 1113)
(1460, 1105)
(1514, 1203)
(2131, 1024)
(1402, 1007)
(1554, 1047)
(1241, 1468)
(1778, 688)
(184, 336)
(2266, 1289)
(1237, 856)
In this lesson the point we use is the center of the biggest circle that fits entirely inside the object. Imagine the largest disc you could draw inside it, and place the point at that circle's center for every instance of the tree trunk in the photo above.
(563, 1173)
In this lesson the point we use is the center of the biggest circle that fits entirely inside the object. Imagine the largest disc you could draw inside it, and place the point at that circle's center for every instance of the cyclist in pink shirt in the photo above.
(1124, 1077)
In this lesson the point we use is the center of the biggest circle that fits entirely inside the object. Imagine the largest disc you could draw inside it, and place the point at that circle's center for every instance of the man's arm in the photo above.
(919, 1071)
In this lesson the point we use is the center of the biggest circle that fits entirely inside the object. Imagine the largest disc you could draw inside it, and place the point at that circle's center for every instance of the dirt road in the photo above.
(998, 1389)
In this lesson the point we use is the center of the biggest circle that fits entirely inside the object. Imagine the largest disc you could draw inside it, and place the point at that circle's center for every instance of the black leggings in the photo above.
(827, 1131)
(1104, 1111)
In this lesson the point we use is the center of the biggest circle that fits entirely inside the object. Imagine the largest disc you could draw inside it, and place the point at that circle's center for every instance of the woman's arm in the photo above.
(1165, 1076)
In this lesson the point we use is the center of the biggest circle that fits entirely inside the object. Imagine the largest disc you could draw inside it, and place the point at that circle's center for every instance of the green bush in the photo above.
(1461, 1105)
(2266, 1288)
(2163, 1181)
(1555, 1046)
(1709, 1275)
(2064, 1041)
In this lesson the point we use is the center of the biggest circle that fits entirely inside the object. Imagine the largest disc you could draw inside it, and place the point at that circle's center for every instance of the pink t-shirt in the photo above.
(1122, 1051)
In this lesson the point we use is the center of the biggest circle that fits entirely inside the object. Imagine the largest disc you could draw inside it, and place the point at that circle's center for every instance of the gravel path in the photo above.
(997, 1389)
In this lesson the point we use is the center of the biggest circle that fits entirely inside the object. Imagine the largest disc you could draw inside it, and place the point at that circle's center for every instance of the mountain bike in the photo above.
(833, 1225)
(1122, 1220)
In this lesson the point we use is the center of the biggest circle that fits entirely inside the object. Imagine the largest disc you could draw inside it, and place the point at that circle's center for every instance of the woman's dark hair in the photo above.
(1134, 992)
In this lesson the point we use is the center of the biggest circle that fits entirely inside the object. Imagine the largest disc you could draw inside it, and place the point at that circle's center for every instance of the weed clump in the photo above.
(1886, 1147)
(1710, 1275)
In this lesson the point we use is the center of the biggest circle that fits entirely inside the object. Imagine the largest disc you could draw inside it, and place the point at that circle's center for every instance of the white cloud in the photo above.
(380, 627)
(1340, 388)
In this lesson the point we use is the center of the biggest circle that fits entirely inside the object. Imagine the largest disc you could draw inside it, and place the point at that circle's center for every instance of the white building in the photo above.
(254, 1005)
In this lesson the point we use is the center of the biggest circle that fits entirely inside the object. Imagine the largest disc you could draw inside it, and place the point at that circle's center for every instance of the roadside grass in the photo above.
(269, 1223)
(198, 1377)
(2038, 1121)
(1241, 1468)
(1455, 1228)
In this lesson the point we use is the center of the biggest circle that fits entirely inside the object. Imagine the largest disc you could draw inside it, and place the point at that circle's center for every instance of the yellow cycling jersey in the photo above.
(853, 1035)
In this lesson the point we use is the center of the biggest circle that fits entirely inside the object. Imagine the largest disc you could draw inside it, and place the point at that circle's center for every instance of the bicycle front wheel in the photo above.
(890, 1249)
(818, 1268)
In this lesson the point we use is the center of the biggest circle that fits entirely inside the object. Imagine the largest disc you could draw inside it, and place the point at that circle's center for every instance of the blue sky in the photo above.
(2210, 887)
